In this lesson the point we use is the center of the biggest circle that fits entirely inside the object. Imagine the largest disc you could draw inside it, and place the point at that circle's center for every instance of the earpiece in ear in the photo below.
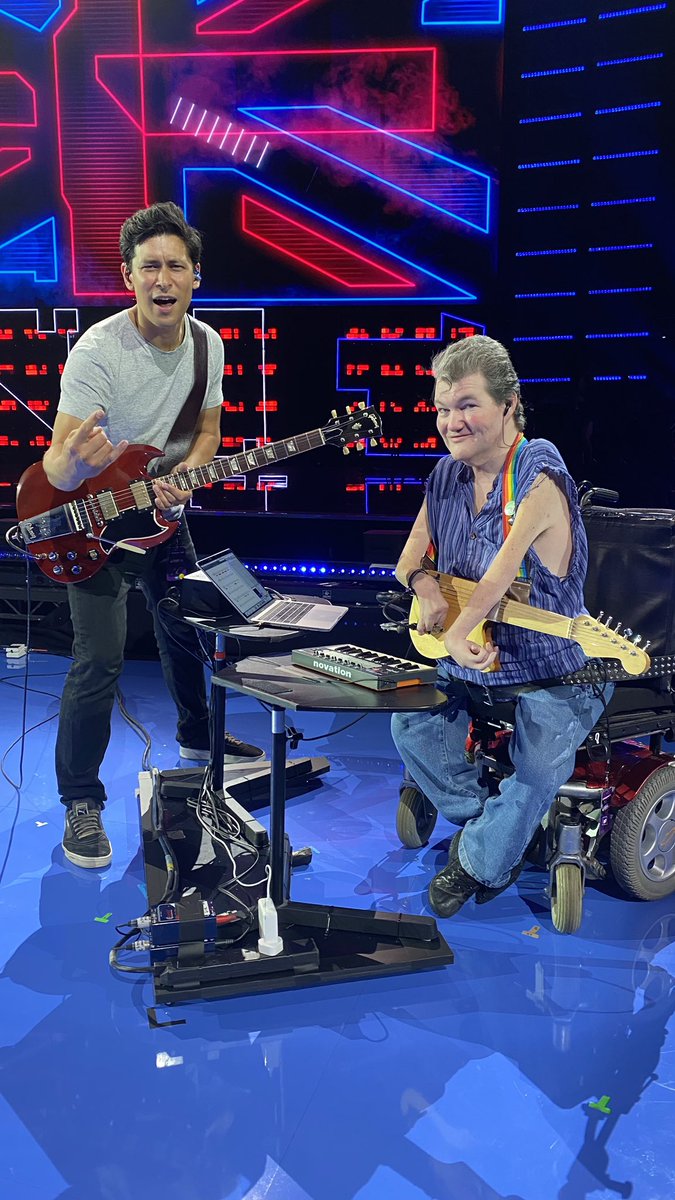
(198, 275)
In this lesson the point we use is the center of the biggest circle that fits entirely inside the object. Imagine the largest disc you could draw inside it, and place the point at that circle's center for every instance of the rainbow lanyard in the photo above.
(509, 486)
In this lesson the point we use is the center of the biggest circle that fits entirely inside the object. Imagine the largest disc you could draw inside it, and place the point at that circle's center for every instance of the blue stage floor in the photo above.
(537, 1067)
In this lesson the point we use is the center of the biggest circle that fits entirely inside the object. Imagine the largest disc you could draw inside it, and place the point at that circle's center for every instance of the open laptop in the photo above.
(251, 599)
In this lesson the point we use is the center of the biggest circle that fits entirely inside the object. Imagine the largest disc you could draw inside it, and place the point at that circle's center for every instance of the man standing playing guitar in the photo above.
(500, 511)
(126, 381)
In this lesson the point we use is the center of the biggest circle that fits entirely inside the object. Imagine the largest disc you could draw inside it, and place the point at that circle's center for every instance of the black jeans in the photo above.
(98, 608)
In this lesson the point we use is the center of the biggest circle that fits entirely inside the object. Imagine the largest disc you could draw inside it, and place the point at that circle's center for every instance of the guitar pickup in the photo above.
(143, 495)
(106, 503)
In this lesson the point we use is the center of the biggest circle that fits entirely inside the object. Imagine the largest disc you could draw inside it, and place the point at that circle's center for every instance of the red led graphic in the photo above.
(322, 254)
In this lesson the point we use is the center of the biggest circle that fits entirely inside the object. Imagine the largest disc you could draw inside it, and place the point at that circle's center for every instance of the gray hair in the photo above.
(485, 356)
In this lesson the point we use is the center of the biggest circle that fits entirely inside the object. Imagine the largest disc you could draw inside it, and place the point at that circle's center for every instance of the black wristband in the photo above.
(411, 576)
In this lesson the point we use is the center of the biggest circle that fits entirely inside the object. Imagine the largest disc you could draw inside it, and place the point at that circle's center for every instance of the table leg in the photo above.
(277, 803)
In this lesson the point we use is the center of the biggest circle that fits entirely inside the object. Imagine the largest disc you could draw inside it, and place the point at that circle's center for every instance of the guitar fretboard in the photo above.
(247, 460)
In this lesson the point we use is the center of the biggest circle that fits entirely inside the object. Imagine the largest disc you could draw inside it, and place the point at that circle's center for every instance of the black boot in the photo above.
(453, 886)
(487, 893)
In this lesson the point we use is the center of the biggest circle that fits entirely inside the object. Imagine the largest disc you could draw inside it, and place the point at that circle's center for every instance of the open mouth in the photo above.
(164, 301)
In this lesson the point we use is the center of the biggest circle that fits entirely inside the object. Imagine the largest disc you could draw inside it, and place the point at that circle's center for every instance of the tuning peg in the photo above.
(601, 615)
(646, 646)
(360, 445)
(333, 412)
(637, 639)
(628, 633)
(617, 627)
(362, 404)
(609, 620)
(345, 449)
(373, 441)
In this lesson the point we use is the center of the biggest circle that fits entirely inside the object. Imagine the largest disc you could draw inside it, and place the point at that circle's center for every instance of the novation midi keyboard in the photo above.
(367, 668)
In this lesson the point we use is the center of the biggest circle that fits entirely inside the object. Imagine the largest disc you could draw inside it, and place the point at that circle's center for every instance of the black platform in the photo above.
(322, 944)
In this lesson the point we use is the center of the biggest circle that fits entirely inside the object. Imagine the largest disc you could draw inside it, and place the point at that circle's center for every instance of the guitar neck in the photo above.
(248, 460)
(511, 612)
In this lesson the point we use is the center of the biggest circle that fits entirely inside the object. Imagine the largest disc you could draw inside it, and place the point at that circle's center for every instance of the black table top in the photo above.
(277, 681)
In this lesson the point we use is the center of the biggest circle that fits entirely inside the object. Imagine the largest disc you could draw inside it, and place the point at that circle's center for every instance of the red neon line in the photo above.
(242, 32)
(278, 53)
(112, 95)
(141, 81)
(21, 124)
(16, 165)
(400, 281)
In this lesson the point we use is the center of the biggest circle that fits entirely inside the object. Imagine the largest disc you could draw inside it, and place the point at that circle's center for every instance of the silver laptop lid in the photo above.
(245, 593)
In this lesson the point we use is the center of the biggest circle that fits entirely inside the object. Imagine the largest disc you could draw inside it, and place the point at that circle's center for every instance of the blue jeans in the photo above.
(98, 609)
(550, 724)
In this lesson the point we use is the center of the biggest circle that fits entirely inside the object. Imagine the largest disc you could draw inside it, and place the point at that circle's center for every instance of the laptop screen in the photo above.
(244, 592)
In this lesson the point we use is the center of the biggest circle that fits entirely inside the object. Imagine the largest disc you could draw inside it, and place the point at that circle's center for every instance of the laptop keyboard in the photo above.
(288, 610)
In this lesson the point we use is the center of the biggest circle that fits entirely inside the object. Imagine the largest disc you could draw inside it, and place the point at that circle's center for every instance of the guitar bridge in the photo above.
(58, 522)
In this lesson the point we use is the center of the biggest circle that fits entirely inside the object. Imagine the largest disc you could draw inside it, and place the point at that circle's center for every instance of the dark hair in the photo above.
(481, 354)
(164, 217)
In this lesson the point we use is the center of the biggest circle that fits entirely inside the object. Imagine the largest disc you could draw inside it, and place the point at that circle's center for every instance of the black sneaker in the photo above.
(236, 751)
(453, 886)
(85, 841)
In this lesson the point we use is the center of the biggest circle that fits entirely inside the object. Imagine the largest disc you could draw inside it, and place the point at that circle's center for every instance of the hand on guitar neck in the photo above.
(434, 639)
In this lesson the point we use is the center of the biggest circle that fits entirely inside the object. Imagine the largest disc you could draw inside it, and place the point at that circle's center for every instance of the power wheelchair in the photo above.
(618, 809)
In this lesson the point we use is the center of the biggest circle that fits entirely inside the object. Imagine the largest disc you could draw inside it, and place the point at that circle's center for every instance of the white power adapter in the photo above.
(16, 650)
(269, 942)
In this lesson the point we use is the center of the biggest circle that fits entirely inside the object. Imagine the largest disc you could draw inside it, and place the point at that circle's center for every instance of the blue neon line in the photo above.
(51, 221)
(566, 116)
(548, 337)
(555, 24)
(549, 208)
(462, 293)
(606, 378)
(466, 21)
(618, 62)
(540, 295)
(553, 71)
(630, 200)
(556, 162)
(601, 112)
(595, 337)
(542, 253)
(617, 291)
(631, 12)
(29, 24)
(627, 246)
(546, 379)
(254, 112)
(626, 154)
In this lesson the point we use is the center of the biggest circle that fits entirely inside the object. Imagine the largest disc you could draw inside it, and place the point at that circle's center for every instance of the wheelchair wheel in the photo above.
(567, 898)
(642, 845)
(416, 817)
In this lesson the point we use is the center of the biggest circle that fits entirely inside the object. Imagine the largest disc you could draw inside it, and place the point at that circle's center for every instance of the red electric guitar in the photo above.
(71, 534)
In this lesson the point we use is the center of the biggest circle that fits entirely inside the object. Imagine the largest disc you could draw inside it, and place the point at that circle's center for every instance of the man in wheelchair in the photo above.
(503, 513)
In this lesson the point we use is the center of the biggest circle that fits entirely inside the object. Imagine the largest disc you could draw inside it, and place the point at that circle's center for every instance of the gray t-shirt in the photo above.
(140, 388)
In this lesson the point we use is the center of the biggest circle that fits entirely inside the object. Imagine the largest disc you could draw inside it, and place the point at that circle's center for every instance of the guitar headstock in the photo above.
(601, 641)
(358, 426)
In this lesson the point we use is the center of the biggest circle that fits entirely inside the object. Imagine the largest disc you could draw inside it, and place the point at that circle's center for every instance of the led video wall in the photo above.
(340, 159)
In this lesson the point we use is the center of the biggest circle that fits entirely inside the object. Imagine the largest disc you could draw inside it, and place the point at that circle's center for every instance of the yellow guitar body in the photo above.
(431, 645)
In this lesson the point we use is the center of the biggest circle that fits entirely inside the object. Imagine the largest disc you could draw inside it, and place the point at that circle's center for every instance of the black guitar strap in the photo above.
(182, 433)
